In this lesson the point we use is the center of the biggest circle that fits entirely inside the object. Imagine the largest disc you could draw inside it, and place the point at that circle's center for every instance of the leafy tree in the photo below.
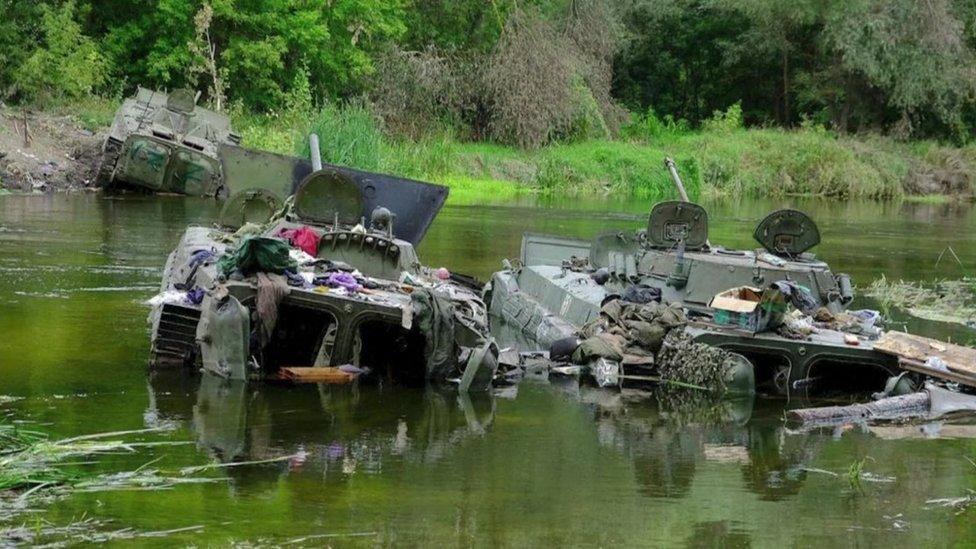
(255, 48)
(67, 64)
(676, 59)
(19, 35)
(915, 52)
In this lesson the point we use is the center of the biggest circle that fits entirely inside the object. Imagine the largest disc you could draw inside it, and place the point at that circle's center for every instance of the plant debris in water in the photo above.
(33, 472)
(941, 301)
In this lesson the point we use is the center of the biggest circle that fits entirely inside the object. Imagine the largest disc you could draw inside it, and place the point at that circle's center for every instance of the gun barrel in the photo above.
(313, 145)
(673, 170)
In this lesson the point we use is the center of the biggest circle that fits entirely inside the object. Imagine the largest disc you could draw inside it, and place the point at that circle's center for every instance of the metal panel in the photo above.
(539, 249)
(414, 203)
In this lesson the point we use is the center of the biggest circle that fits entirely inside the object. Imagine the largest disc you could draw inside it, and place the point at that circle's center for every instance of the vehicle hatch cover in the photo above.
(672, 221)
(250, 206)
(181, 100)
(787, 232)
(327, 194)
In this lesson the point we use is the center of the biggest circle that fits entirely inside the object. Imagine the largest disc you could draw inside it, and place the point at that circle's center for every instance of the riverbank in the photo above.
(48, 151)
(716, 162)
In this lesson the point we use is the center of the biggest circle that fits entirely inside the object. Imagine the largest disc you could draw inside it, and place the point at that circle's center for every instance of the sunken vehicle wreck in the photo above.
(780, 312)
(324, 288)
(165, 143)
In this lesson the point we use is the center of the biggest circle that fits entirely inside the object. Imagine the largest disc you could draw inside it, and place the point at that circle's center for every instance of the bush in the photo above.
(648, 127)
(416, 93)
(67, 66)
(725, 121)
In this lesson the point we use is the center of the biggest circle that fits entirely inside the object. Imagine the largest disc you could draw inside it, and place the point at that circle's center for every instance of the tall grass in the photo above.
(723, 159)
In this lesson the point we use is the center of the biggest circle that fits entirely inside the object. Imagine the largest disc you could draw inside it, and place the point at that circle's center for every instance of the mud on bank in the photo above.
(46, 152)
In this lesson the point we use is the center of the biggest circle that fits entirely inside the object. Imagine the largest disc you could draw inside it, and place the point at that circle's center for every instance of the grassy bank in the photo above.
(721, 160)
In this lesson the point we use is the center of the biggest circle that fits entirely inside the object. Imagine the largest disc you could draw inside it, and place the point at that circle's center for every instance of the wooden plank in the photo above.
(917, 348)
(920, 367)
(331, 375)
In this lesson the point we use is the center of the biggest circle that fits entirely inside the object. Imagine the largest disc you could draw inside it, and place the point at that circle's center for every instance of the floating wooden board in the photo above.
(915, 348)
(315, 375)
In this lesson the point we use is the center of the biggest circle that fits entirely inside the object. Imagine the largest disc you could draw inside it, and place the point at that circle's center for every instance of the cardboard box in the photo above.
(742, 308)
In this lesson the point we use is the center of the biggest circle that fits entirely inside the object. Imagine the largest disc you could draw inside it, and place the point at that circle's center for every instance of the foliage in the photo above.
(648, 126)
(548, 81)
(257, 46)
(416, 92)
(348, 136)
(725, 121)
(526, 72)
(727, 160)
(67, 65)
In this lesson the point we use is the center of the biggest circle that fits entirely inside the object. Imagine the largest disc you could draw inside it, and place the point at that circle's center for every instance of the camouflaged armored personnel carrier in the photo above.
(321, 288)
(165, 143)
(735, 300)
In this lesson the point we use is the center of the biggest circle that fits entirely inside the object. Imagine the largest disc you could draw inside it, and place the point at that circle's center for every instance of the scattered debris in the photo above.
(61, 155)
(323, 374)
(931, 357)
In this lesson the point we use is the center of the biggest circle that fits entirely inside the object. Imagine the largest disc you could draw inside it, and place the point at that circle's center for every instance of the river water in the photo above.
(543, 464)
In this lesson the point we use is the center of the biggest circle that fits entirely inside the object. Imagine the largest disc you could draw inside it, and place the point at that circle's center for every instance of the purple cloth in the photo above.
(201, 256)
(343, 280)
(195, 296)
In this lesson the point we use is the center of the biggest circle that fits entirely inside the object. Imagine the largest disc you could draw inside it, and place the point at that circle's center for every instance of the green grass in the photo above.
(92, 113)
(722, 160)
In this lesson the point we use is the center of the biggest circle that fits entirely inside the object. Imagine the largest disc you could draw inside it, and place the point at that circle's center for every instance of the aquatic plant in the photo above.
(854, 472)
(34, 470)
(941, 300)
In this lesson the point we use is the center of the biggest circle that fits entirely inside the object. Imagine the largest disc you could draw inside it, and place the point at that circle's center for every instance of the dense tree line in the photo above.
(525, 71)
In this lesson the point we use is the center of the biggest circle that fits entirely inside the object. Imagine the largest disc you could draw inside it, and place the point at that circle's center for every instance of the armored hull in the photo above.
(318, 292)
(562, 284)
(163, 142)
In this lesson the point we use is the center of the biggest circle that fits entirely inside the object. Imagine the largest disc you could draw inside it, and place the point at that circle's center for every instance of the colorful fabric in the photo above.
(303, 238)
(258, 254)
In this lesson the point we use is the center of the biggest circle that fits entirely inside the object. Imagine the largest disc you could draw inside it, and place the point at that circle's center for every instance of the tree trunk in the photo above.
(786, 87)
(911, 405)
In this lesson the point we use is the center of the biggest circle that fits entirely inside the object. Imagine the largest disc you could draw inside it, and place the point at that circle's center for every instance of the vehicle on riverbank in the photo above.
(165, 142)
(311, 291)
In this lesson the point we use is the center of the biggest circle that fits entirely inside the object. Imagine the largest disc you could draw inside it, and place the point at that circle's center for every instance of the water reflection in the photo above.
(554, 464)
(354, 427)
(667, 435)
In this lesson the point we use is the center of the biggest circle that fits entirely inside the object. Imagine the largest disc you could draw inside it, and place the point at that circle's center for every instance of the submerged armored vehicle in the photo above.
(562, 285)
(165, 143)
(299, 290)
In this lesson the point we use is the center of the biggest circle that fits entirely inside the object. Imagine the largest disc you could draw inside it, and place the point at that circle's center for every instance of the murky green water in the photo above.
(543, 465)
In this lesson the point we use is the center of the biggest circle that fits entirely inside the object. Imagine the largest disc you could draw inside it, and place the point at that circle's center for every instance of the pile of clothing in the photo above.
(799, 325)
(650, 338)
(629, 333)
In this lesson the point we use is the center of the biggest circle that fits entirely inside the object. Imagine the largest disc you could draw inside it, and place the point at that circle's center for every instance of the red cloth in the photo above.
(303, 238)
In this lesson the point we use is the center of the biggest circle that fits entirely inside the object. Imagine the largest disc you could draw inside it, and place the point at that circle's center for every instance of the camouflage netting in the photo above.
(680, 359)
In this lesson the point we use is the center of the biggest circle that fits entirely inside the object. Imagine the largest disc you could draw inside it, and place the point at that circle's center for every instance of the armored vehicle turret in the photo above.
(165, 143)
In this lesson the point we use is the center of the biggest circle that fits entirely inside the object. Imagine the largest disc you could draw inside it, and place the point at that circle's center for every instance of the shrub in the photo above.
(67, 66)
(725, 121)
(415, 92)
